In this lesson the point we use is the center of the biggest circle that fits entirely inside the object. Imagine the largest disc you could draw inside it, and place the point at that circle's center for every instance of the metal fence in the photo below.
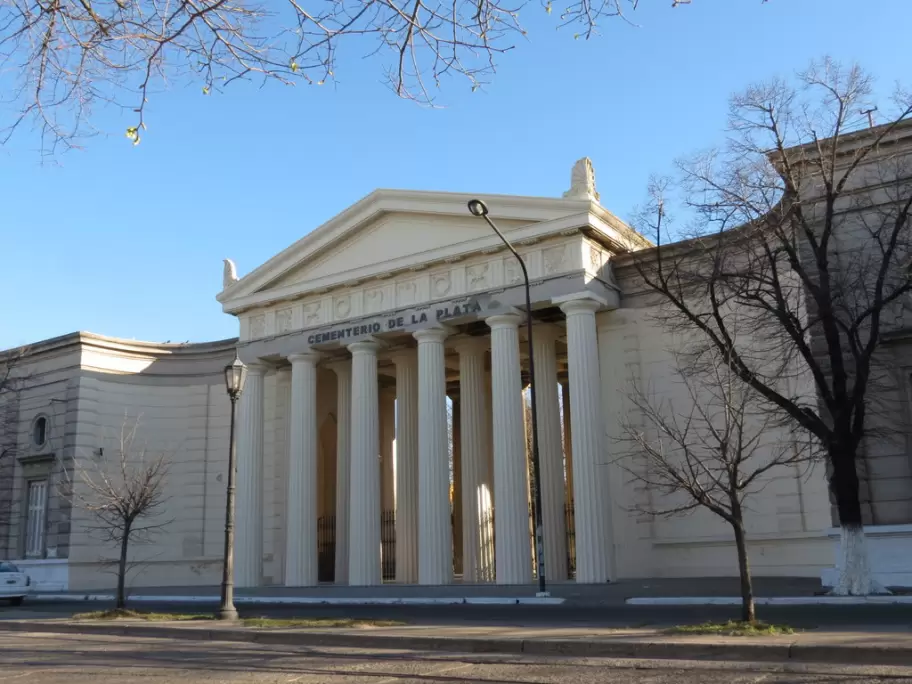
(326, 548)
(326, 543)
(388, 545)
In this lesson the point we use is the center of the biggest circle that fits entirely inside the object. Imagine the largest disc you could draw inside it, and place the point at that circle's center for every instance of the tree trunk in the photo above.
(122, 570)
(854, 570)
(748, 610)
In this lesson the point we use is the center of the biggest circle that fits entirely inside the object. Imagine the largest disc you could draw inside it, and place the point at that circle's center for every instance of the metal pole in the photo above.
(536, 470)
(227, 611)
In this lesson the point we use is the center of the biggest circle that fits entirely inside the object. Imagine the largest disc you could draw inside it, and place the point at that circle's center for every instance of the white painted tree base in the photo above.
(854, 576)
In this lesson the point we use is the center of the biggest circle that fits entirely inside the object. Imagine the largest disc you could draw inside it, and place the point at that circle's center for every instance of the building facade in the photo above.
(382, 429)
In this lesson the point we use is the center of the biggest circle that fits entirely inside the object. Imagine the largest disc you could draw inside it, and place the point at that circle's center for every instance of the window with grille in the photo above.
(34, 531)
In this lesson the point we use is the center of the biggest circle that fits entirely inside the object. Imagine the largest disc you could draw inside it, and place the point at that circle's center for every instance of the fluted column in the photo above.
(301, 521)
(364, 526)
(590, 491)
(550, 454)
(248, 564)
(406, 466)
(474, 443)
(435, 550)
(511, 518)
(342, 369)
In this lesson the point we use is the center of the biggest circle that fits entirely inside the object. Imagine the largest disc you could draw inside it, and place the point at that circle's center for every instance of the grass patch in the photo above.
(732, 628)
(127, 614)
(293, 623)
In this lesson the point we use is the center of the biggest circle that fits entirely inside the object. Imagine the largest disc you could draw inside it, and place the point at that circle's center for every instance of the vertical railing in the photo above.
(388, 545)
(570, 521)
(326, 548)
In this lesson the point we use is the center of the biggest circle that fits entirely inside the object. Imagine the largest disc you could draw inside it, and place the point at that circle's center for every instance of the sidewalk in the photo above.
(876, 646)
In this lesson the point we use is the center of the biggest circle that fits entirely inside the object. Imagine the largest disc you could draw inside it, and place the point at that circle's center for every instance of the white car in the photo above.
(14, 584)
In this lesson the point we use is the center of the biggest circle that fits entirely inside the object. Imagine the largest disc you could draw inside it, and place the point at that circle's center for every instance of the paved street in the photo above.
(53, 659)
(807, 617)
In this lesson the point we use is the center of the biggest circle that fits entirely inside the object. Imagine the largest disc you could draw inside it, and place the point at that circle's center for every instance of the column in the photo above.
(301, 520)
(406, 466)
(435, 550)
(248, 564)
(511, 519)
(457, 516)
(343, 369)
(474, 447)
(590, 490)
(364, 525)
(550, 454)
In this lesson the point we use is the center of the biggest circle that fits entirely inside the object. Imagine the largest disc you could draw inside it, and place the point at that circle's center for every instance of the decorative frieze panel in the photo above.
(284, 320)
(313, 314)
(496, 268)
(258, 326)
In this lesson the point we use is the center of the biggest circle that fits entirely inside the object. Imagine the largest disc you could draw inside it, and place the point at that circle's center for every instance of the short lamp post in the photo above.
(235, 375)
(480, 209)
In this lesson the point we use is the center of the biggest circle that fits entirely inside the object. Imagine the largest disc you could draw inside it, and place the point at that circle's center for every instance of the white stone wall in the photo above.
(787, 522)
(186, 419)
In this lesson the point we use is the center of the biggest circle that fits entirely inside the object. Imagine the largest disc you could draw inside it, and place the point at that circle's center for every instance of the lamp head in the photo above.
(235, 375)
(478, 208)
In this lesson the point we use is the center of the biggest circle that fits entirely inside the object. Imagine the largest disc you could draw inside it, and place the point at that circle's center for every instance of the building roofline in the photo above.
(82, 338)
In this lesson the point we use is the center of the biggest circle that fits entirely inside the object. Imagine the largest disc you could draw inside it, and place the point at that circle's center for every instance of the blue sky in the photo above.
(128, 241)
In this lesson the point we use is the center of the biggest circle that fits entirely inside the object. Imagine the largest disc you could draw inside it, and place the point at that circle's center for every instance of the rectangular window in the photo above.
(34, 530)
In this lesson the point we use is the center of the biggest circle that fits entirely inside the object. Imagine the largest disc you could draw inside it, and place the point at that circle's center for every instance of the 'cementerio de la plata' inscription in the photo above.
(393, 323)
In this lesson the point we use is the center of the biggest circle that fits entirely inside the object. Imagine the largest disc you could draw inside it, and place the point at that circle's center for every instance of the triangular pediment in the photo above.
(388, 232)
(392, 242)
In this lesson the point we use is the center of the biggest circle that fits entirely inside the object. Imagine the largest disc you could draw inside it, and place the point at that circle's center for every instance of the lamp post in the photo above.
(480, 209)
(235, 375)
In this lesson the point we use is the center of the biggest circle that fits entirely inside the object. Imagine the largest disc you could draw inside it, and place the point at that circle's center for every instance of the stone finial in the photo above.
(582, 181)
(229, 275)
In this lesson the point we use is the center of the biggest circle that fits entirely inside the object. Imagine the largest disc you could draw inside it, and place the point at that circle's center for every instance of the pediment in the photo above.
(394, 231)
(390, 243)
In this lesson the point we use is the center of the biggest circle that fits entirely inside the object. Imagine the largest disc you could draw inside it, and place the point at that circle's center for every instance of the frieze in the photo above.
(447, 312)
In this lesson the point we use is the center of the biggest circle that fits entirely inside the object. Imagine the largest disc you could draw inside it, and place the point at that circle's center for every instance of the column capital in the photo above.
(437, 334)
(505, 320)
(471, 345)
(546, 331)
(408, 355)
(369, 346)
(257, 368)
(304, 357)
(579, 303)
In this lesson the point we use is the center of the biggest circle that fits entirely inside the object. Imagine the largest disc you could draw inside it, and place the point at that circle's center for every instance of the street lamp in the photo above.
(480, 209)
(235, 375)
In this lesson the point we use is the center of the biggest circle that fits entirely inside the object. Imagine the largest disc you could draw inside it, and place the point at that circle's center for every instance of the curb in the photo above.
(313, 600)
(637, 649)
(770, 601)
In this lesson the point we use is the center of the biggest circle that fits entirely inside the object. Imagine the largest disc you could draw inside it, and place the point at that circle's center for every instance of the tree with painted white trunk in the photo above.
(711, 446)
(801, 223)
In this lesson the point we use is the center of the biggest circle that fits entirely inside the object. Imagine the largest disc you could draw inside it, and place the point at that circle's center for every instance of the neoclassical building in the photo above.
(382, 431)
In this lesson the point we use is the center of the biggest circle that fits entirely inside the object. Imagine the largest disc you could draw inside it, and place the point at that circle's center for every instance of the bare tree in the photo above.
(124, 494)
(713, 448)
(801, 224)
(63, 57)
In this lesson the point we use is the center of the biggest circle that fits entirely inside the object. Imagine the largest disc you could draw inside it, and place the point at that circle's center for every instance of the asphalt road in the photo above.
(56, 659)
(806, 617)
